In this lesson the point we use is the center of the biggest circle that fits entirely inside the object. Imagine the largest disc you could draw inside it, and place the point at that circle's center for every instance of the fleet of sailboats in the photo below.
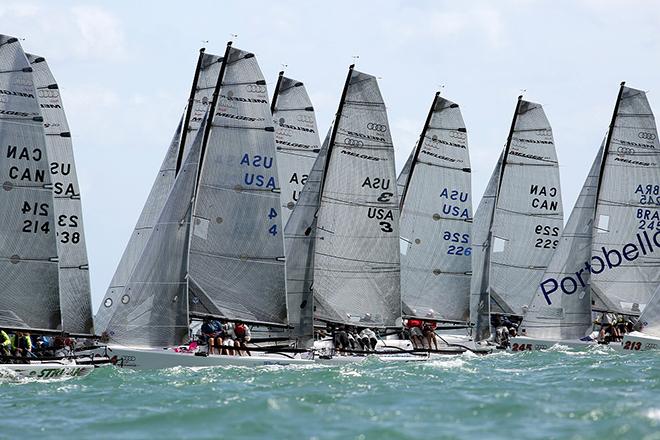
(252, 220)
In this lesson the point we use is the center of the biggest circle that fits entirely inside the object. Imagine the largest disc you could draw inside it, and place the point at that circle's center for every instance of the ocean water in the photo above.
(537, 395)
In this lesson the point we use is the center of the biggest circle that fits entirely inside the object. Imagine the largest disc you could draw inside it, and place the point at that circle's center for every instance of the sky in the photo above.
(125, 68)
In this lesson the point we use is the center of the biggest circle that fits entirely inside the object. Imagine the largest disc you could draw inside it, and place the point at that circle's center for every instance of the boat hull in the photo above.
(146, 358)
(44, 371)
(524, 343)
(637, 341)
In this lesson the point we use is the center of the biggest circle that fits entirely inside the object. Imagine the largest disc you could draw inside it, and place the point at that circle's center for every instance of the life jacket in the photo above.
(414, 323)
(239, 330)
(4, 339)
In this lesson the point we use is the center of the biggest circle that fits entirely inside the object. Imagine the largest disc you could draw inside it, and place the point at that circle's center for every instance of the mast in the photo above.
(214, 101)
(186, 121)
(276, 92)
(506, 149)
(609, 139)
(418, 147)
(335, 127)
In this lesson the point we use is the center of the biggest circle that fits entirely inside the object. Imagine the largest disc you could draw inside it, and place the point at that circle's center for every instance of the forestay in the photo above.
(625, 265)
(356, 267)
(236, 267)
(153, 308)
(528, 217)
(29, 286)
(296, 139)
(436, 220)
(74, 286)
(556, 316)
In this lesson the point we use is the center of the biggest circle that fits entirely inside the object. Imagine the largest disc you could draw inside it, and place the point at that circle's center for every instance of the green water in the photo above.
(555, 394)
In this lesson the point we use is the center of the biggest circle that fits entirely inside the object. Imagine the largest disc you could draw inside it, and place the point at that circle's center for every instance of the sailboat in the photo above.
(518, 222)
(605, 259)
(216, 248)
(342, 238)
(296, 139)
(45, 278)
(204, 81)
(436, 221)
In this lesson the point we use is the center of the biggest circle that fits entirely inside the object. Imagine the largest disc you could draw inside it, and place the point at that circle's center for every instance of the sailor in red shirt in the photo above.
(414, 326)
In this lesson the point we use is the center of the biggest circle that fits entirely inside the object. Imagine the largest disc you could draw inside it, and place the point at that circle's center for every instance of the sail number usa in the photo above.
(384, 216)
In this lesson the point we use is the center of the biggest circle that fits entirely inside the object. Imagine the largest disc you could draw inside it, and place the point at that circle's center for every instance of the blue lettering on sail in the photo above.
(257, 161)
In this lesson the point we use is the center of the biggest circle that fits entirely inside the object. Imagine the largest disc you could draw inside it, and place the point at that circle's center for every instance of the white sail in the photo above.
(236, 266)
(512, 252)
(206, 75)
(356, 261)
(552, 315)
(75, 293)
(29, 279)
(436, 216)
(296, 139)
(625, 270)
(528, 216)
(152, 310)
(649, 320)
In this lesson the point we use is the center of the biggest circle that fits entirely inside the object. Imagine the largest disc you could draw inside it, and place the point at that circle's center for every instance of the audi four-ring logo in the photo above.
(544, 133)
(377, 127)
(48, 93)
(457, 135)
(305, 118)
(285, 132)
(353, 142)
(625, 150)
(646, 135)
(255, 88)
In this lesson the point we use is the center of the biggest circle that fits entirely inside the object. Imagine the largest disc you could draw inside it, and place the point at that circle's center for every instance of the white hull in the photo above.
(154, 358)
(524, 343)
(44, 371)
(637, 341)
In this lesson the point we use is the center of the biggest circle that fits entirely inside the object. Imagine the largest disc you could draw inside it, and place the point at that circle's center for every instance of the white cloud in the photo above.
(99, 32)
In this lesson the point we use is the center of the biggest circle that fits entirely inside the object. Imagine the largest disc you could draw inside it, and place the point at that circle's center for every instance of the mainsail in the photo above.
(29, 279)
(296, 139)
(527, 217)
(74, 286)
(627, 208)
(356, 261)
(153, 308)
(568, 316)
(649, 320)
(436, 216)
(206, 75)
(236, 262)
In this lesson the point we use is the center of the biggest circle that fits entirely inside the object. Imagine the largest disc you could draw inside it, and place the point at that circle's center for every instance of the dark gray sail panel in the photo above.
(75, 293)
(300, 237)
(558, 316)
(296, 139)
(479, 293)
(151, 211)
(356, 267)
(528, 215)
(237, 246)
(628, 200)
(436, 221)
(29, 286)
(152, 310)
